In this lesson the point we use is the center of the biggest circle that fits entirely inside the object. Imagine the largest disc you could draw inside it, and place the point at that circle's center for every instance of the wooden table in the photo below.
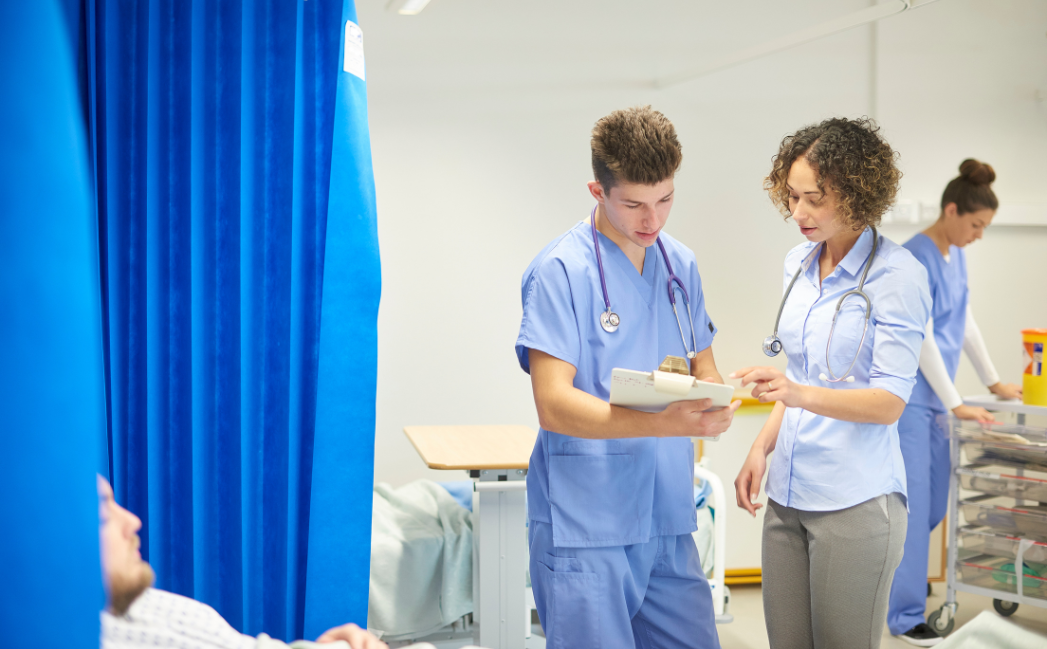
(496, 457)
(473, 448)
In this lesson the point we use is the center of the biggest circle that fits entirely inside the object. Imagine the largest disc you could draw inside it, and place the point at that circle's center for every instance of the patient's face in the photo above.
(126, 575)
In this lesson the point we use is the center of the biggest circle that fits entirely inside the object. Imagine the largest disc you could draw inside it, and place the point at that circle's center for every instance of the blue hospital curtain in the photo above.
(52, 404)
(235, 193)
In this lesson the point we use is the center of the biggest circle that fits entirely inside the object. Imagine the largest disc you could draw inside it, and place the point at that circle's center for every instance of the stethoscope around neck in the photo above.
(610, 321)
(772, 345)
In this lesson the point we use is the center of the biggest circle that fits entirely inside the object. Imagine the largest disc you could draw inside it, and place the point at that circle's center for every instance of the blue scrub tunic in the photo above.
(613, 563)
(598, 493)
(948, 284)
(925, 447)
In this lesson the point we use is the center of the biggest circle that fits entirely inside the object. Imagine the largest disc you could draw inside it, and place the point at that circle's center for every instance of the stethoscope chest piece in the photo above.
(772, 346)
(609, 320)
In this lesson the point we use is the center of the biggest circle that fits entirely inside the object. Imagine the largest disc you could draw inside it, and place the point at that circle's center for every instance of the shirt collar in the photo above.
(854, 261)
(809, 255)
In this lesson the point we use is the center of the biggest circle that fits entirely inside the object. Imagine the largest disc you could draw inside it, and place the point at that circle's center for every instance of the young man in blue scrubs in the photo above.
(610, 490)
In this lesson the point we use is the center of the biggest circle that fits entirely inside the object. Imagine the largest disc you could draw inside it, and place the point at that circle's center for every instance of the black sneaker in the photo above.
(921, 635)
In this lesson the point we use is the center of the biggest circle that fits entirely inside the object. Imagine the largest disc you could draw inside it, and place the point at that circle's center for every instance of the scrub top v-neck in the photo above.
(608, 492)
(949, 293)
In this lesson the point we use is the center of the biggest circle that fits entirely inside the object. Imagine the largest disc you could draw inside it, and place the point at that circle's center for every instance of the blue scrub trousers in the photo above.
(925, 449)
(645, 596)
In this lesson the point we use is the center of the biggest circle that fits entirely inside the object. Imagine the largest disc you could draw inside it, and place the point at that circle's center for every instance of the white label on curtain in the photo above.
(354, 50)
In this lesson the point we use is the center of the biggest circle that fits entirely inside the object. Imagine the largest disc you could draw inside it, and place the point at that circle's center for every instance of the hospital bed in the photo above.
(496, 459)
(721, 593)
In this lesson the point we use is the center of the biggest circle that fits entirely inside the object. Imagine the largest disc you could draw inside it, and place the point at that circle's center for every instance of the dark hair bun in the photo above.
(977, 173)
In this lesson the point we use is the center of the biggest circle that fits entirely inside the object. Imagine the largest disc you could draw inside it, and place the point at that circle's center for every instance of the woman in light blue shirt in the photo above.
(836, 515)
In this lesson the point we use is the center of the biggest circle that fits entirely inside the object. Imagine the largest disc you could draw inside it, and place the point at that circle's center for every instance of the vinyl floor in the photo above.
(747, 631)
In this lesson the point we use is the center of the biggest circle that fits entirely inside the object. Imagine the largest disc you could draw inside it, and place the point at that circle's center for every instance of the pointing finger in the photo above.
(761, 374)
(756, 374)
(742, 372)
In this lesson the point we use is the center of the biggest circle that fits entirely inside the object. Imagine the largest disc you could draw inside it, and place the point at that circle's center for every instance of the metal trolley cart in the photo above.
(998, 483)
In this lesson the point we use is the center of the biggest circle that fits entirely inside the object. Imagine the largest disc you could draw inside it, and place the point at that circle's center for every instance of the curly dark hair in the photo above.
(849, 155)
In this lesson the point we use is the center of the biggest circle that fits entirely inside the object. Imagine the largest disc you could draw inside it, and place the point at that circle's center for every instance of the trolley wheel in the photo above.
(1004, 608)
(934, 620)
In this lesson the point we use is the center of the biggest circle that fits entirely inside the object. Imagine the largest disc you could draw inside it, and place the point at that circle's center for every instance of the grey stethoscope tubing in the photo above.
(609, 320)
(772, 345)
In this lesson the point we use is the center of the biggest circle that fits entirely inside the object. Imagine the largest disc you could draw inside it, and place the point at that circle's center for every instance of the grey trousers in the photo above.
(827, 575)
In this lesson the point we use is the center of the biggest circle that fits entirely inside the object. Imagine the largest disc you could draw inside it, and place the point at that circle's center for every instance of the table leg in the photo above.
(500, 543)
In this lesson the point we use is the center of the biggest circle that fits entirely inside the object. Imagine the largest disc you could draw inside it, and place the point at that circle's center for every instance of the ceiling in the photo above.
(547, 43)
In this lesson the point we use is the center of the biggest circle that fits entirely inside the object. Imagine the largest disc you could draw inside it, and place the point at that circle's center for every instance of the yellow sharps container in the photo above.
(1034, 383)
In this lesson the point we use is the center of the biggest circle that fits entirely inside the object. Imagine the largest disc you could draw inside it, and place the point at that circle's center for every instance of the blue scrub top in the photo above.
(823, 464)
(623, 491)
(948, 284)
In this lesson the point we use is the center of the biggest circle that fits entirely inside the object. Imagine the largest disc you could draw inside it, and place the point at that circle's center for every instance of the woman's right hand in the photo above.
(747, 484)
(973, 413)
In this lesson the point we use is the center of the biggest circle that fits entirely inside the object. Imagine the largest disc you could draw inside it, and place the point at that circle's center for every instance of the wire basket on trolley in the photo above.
(998, 511)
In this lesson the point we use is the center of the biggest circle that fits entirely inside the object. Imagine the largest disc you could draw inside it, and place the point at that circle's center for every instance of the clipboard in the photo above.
(671, 382)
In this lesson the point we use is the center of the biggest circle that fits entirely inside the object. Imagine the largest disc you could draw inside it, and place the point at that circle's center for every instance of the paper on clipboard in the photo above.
(654, 391)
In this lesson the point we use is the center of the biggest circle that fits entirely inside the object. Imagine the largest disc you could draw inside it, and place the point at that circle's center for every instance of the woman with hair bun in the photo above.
(967, 208)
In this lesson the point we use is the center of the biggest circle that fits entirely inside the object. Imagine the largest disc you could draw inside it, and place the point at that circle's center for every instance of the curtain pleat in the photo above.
(314, 120)
(218, 125)
(168, 298)
(52, 417)
(216, 227)
(339, 550)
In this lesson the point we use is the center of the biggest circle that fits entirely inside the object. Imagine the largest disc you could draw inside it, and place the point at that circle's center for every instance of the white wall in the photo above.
(480, 117)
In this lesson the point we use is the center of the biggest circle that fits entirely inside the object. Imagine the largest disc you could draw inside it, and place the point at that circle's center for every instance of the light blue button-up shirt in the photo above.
(824, 464)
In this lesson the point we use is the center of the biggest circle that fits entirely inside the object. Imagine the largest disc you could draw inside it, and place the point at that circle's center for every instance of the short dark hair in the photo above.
(971, 190)
(852, 157)
(635, 145)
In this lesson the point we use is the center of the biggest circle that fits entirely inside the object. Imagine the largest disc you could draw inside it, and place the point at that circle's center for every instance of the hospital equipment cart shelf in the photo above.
(1002, 472)
(496, 457)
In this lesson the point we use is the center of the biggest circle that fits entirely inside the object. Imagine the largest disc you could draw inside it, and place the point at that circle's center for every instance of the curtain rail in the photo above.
(827, 28)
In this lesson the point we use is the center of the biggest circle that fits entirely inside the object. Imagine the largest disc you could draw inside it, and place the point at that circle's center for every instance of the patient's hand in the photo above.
(356, 637)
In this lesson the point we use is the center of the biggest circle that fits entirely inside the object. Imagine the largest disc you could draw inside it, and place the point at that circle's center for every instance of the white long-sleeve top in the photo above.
(933, 367)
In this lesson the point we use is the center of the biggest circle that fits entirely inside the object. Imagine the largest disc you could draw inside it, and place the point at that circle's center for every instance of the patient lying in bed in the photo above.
(138, 615)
